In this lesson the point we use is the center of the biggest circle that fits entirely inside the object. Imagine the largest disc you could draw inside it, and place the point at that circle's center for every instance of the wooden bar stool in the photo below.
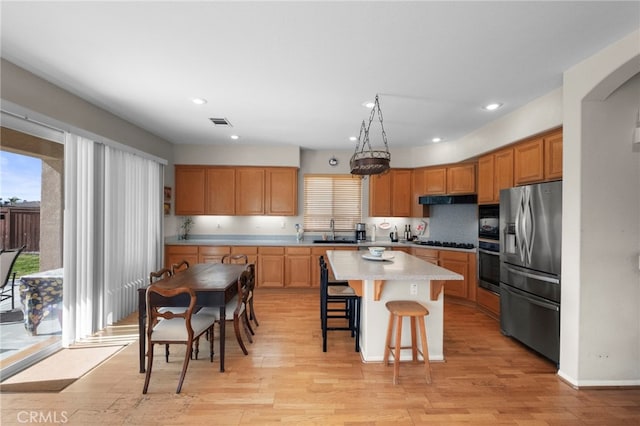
(417, 312)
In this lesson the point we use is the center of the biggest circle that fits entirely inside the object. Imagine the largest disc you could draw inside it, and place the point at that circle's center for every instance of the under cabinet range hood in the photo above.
(448, 199)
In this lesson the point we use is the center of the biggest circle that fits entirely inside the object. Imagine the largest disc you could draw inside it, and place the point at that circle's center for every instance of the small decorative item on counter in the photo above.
(299, 233)
(376, 251)
(373, 233)
(187, 223)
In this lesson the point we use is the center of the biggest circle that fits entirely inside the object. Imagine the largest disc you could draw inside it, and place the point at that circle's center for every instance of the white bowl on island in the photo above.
(376, 251)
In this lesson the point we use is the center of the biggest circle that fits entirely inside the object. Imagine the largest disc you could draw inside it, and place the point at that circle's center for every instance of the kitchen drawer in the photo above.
(271, 250)
(182, 249)
(301, 251)
(244, 249)
(213, 250)
(453, 255)
(423, 252)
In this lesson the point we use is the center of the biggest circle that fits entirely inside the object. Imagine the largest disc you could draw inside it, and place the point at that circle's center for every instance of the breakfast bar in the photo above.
(395, 275)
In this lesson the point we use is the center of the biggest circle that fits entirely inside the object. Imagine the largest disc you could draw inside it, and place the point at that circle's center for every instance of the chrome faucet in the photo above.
(332, 225)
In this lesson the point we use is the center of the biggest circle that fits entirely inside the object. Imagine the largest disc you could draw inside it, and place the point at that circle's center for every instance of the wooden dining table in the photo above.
(215, 284)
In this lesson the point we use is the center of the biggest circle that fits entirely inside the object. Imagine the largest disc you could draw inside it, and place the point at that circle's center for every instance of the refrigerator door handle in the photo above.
(534, 276)
(531, 300)
(525, 226)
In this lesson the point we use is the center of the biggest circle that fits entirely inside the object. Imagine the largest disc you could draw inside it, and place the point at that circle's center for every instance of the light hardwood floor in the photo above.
(486, 379)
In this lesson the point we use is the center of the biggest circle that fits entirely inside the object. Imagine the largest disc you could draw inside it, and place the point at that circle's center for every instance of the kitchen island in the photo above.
(399, 277)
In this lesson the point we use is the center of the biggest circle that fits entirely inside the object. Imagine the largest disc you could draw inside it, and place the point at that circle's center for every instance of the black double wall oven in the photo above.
(489, 248)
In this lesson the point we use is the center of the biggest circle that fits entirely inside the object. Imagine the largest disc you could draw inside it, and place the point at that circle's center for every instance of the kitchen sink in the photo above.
(334, 241)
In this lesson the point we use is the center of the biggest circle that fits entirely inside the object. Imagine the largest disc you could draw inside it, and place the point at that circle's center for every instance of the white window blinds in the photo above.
(337, 197)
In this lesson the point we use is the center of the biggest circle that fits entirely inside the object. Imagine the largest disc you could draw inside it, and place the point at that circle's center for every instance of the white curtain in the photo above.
(112, 234)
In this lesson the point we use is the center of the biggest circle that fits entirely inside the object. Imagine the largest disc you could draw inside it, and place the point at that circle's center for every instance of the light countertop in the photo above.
(283, 241)
(350, 265)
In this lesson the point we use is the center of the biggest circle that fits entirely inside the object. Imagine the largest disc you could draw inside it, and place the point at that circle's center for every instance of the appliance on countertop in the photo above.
(530, 244)
(361, 232)
(448, 199)
(447, 244)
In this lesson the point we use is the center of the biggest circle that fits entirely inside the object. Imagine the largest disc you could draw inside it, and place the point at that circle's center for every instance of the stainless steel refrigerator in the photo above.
(530, 245)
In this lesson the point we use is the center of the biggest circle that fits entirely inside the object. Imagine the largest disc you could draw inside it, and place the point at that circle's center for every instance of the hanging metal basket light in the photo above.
(366, 161)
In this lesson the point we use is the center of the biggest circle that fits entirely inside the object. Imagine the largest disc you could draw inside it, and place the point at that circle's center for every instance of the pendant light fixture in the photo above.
(365, 160)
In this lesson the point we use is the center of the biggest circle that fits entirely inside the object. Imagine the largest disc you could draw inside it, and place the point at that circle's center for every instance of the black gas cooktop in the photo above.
(448, 244)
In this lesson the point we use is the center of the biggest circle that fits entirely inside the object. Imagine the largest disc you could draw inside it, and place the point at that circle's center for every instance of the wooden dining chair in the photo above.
(244, 259)
(167, 327)
(236, 310)
(179, 267)
(235, 258)
(252, 286)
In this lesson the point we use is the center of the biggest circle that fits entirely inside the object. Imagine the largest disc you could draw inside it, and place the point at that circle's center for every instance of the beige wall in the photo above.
(600, 319)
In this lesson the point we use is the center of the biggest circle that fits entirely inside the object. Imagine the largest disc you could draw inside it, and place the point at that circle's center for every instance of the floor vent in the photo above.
(220, 122)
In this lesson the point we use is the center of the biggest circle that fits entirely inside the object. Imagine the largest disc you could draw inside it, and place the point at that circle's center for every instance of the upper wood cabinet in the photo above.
(435, 181)
(553, 156)
(281, 191)
(458, 179)
(225, 190)
(250, 193)
(528, 163)
(538, 159)
(417, 190)
(390, 194)
(221, 191)
(461, 179)
(495, 172)
(190, 190)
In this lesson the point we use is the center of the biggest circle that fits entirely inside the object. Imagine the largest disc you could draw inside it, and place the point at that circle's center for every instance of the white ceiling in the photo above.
(298, 72)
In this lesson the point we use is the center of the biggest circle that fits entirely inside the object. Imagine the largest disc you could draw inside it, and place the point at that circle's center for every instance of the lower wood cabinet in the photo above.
(212, 254)
(489, 301)
(177, 253)
(297, 267)
(270, 267)
(463, 263)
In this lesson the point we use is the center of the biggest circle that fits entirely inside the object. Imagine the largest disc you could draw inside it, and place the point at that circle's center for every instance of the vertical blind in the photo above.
(112, 234)
(337, 197)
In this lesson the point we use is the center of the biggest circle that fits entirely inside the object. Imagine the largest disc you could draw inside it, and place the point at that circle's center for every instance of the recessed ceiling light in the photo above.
(368, 104)
(436, 140)
(235, 137)
(492, 107)
(353, 138)
(199, 101)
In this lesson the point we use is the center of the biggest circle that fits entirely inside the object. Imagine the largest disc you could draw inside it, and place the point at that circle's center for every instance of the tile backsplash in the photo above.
(456, 222)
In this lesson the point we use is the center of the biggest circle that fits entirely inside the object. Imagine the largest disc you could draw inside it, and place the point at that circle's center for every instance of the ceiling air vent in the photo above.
(220, 122)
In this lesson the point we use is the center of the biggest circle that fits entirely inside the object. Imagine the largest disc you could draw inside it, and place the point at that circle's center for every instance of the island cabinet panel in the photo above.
(529, 162)
(177, 253)
(221, 191)
(281, 191)
(553, 156)
(190, 190)
(297, 267)
(270, 267)
(461, 179)
(390, 194)
(212, 254)
(250, 191)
